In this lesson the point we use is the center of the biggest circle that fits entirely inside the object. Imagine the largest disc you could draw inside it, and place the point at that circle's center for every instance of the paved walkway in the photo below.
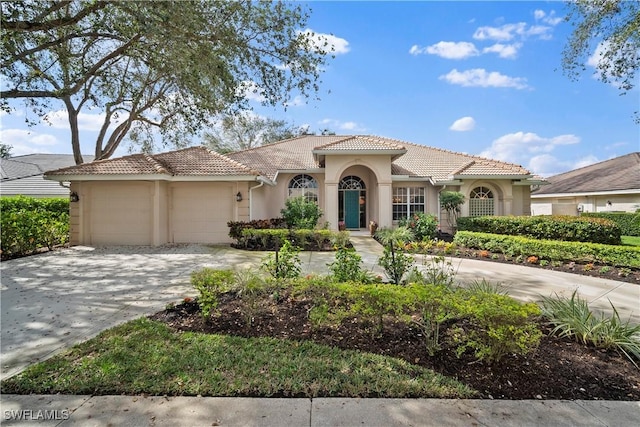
(51, 301)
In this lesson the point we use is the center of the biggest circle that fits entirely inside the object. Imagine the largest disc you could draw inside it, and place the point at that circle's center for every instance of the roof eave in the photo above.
(151, 177)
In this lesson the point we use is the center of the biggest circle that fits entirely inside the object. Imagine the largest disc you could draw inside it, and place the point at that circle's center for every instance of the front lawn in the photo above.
(146, 356)
(631, 240)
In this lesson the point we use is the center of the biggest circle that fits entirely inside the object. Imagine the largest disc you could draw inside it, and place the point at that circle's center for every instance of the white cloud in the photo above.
(509, 51)
(550, 18)
(505, 32)
(251, 91)
(92, 122)
(448, 50)
(328, 42)
(464, 124)
(531, 150)
(508, 32)
(27, 142)
(479, 77)
(337, 125)
(548, 165)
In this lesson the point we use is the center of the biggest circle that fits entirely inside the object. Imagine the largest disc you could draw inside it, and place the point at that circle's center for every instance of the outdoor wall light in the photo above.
(73, 197)
(239, 197)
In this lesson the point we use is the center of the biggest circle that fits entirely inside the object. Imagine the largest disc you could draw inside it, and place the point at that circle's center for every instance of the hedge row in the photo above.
(236, 227)
(28, 224)
(271, 239)
(628, 222)
(618, 256)
(564, 228)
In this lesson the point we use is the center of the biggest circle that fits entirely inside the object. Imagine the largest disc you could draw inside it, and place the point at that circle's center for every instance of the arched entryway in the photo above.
(352, 202)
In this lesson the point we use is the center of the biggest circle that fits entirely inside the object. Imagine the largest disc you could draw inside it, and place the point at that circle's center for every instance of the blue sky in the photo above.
(482, 78)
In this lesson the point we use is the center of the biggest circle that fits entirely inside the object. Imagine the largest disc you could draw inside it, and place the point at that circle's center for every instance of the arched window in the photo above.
(481, 202)
(351, 183)
(304, 185)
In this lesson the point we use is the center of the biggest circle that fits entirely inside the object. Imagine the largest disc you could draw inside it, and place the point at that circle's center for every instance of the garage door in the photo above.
(121, 214)
(200, 212)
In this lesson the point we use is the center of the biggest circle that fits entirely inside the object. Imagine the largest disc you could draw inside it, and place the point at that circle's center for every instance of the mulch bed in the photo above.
(558, 369)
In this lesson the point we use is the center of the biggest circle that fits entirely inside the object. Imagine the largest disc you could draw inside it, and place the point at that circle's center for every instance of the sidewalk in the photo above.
(135, 411)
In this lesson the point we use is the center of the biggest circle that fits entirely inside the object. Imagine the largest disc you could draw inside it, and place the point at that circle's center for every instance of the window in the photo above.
(481, 202)
(407, 201)
(351, 183)
(304, 185)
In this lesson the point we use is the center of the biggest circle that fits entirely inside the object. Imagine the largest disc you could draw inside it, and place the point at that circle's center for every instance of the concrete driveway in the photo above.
(56, 299)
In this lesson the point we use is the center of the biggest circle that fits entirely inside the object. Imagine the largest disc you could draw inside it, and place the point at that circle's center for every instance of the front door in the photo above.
(352, 208)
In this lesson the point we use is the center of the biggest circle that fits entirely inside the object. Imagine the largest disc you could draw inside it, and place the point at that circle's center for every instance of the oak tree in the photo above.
(154, 67)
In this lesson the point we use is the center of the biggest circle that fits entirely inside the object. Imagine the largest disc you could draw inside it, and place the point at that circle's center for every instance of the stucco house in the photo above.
(189, 195)
(608, 186)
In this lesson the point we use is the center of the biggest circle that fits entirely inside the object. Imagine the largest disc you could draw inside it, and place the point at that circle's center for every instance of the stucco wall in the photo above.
(619, 202)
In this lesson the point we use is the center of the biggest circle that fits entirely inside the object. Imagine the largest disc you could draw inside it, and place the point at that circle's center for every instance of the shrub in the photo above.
(628, 222)
(502, 326)
(422, 225)
(271, 239)
(236, 227)
(27, 224)
(284, 264)
(346, 266)
(451, 201)
(396, 264)
(564, 228)
(573, 318)
(211, 283)
(522, 247)
(299, 212)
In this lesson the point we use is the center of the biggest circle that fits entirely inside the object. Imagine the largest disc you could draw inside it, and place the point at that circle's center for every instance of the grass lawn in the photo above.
(145, 356)
(631, 240)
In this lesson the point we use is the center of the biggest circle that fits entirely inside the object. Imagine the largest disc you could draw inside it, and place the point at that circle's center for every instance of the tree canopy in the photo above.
(154, 67)
(246, 130)
(606, 35)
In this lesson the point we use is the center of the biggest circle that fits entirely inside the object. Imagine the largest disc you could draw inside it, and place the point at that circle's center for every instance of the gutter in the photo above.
(262, 181)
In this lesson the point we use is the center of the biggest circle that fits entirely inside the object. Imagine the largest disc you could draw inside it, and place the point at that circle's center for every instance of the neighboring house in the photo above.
(189, 195)
(23, 175)
(609, 186)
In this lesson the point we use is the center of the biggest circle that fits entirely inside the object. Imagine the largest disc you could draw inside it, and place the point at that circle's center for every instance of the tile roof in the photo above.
(35, 164)
(192, 161)
(620, 173)
(418, 161)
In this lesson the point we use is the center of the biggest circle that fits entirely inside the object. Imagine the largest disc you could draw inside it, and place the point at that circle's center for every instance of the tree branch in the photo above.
(32, 26)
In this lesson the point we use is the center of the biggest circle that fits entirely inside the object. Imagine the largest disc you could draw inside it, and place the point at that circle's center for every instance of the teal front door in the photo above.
(352, 209)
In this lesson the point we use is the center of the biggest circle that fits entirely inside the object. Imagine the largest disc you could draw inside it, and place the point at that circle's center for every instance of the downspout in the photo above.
(251, 197)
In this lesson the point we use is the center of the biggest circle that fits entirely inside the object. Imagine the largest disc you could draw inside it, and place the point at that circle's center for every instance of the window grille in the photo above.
(304, 185)
(407, 201)
(481, 202)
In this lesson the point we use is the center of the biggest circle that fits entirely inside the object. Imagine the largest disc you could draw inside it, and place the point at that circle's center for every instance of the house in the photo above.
(608, 186)
(189, 195)
(23, 175)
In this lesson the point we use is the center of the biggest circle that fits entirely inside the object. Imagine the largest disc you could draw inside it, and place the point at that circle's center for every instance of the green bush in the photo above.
(271, 239)
(422, 225)
(299, 212)
(629, 223)
(236, 227)
(503, 325)
(347, 266)
(564, 228)
(211, 283)
(573, 318)
(284, 263)
(28, 224)
(550, 250)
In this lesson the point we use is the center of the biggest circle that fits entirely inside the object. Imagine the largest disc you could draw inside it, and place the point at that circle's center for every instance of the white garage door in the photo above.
(200, 212)
(121, 213)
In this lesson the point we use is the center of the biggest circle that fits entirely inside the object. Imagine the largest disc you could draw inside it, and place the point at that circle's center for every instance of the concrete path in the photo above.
(136, 411)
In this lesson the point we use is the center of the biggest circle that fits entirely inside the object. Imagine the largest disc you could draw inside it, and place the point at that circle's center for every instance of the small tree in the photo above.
(299, 212)
(451, 201)
(395, 264)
